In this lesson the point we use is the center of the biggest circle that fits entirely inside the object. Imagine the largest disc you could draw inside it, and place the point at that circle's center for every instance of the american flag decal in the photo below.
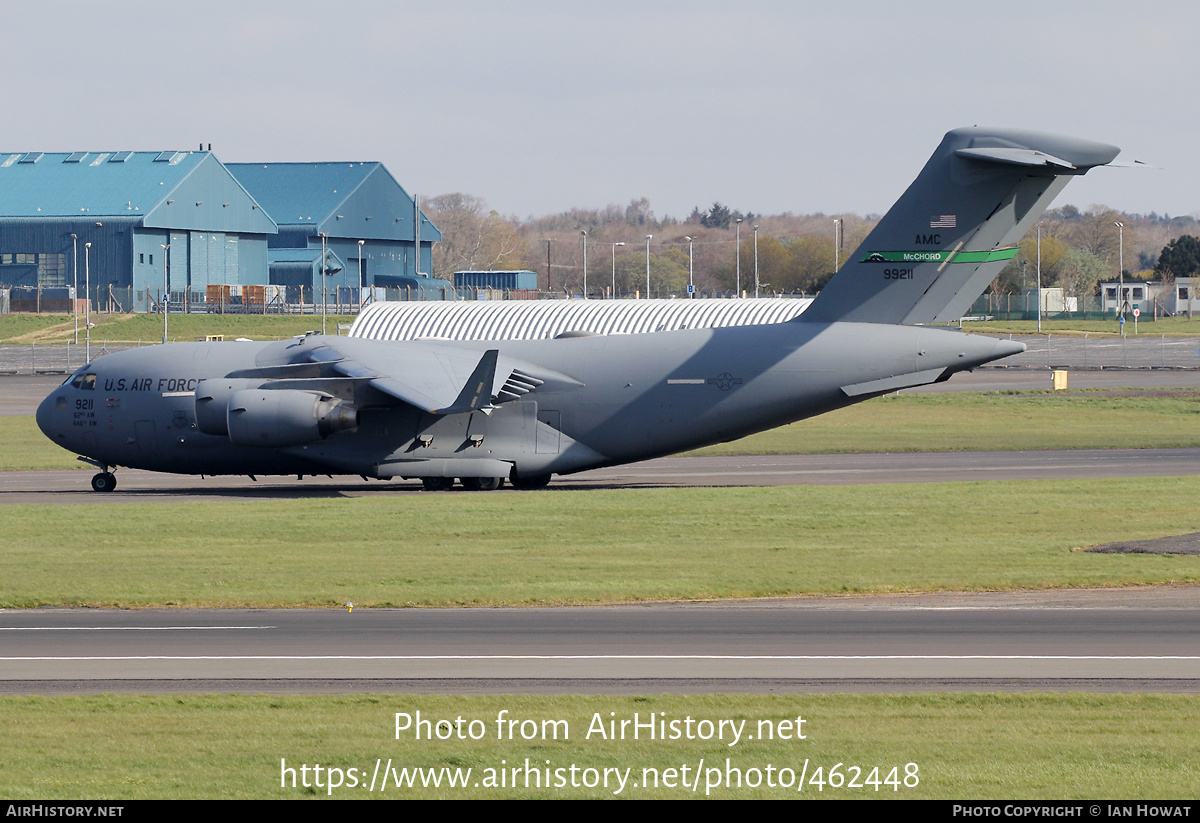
(943, 221)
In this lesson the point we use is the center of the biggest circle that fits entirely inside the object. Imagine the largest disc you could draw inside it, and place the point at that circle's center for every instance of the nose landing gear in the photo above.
(105, 481)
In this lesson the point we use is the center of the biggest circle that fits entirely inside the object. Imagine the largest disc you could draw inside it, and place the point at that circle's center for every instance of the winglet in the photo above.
(477, 393)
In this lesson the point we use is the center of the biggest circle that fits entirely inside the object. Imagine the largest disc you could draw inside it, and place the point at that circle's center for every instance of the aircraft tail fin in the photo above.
(956, 226)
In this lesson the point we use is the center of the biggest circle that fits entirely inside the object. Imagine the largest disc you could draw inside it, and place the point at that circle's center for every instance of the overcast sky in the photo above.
(541, 106)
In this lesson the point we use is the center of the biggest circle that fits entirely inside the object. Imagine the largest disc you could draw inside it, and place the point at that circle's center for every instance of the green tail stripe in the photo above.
(985, 256)
(940, 256)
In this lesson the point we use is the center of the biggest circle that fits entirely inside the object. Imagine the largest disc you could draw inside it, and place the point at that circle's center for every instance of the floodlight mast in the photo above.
(1120, 268)
(166, 296)
(738, 258)
(614, 268)
(585, 291)
(648, 236)
(75, 293)
(87, 307)
(691, 278)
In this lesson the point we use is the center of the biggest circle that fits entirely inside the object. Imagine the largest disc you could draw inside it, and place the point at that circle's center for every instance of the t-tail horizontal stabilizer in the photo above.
(956, 227)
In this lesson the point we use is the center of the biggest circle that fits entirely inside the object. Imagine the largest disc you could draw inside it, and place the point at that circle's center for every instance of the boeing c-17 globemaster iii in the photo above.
(524, 410)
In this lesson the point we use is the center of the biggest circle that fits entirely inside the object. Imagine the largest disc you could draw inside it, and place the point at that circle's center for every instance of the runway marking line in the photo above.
(620, 657)
(128, 628)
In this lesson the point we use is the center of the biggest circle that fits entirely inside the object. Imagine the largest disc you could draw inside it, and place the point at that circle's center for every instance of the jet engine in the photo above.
(212, 402)
(286, 417)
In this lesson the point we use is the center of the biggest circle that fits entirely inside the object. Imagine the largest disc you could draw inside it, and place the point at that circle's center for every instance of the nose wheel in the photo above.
(104, 482)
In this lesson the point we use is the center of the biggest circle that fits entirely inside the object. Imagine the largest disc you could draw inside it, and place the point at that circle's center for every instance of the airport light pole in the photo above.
(691, 278)
(584, 233)
(1120, 268)
(837, 249)
(648, 236)
(87, 307)
(738, 255)
(1039, 279)
(614, 262)
(756, 260)
(75, 295)
(360, 273)
(166, 298)
(325, 291)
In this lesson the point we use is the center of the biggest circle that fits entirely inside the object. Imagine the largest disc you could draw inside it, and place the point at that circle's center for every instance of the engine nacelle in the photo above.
(212, 402)
(286, 417)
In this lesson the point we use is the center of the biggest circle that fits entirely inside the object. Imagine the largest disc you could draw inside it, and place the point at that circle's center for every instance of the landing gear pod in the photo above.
(286, 417)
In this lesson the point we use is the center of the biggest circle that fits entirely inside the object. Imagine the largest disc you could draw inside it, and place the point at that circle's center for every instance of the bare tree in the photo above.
(473, 238)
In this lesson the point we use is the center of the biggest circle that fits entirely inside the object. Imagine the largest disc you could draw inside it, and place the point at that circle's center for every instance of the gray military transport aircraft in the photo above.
(525, 410)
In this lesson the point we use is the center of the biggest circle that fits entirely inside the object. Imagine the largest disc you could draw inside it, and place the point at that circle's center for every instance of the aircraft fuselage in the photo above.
(636, 397)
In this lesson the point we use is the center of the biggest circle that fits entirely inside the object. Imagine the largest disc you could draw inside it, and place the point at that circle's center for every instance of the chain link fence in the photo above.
(1050, 351)
(35, 358)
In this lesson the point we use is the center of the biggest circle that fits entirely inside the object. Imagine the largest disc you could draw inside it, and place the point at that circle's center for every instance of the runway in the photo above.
(1118, 640)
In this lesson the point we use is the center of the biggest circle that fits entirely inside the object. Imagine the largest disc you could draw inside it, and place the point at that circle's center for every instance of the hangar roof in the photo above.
(301, 193)
(344, 199)
(168, 189)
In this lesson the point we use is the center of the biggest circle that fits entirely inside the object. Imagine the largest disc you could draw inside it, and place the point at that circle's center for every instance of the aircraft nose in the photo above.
(46, 417)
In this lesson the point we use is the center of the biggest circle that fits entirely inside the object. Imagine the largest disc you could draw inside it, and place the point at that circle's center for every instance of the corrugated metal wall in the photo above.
(180, 255)
(110, 256)
(538, 319)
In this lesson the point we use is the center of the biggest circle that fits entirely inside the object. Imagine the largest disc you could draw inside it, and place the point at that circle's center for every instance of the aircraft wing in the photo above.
(435, 378)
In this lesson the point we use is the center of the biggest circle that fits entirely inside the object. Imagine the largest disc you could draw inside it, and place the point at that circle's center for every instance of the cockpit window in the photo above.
(89, 382)
(76, 378)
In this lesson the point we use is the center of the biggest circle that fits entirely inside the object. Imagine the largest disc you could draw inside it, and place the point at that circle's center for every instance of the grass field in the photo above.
(986, 421)
(130, 328)
(25, 447)
(1170, 326)
(961, 746)
(594, 546)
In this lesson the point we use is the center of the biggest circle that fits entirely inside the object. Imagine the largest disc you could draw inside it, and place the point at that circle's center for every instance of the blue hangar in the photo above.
(367, 224)
(110, 217)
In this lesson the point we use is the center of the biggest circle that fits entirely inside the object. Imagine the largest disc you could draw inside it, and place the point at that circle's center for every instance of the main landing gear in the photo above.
(482, 484)
(536, 481)
(105, 481)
